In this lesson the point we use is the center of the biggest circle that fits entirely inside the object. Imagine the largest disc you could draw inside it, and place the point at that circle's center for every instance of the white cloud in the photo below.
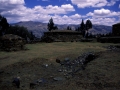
(103, 21)
(112, 2)
(15, 11)
(10, 4)
(89, 3)
(12, 1)
(93, 3)
(103, 13)
(104, 16)
(76, 16)
(74, 19)
(38, 13)
(68, 7)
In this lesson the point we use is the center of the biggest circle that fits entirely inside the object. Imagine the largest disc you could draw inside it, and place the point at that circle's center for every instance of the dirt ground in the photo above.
(103, 73)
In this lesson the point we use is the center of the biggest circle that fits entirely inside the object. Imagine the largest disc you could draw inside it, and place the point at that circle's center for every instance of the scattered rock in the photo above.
(16, 81)
(73, 66)
(41, 81)
(45, 65)
(60, 70)
(58, 78)
(37, 82)
(1, 71)
(67, 59)
(32, 85)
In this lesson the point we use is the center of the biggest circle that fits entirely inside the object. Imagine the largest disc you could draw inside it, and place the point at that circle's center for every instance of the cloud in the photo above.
(19, 12)
(103, 13)
(93, 3)
(89, 3)
(103, 16)
(75, 16)
(103, 21)
(63, 9)
(73, 19)
(16, 10)
(112, 2)
(68, 7)
(6, 5)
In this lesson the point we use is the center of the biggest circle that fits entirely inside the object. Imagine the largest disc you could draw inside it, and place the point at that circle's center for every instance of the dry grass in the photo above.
(100, 74)
(49, 51)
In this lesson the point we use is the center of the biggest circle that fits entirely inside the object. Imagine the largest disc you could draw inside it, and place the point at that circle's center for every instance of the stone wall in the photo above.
(64, 35)
(10, 42)
(116, 29)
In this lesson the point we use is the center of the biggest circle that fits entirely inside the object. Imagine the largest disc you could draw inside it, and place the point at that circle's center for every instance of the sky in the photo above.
(102, 12)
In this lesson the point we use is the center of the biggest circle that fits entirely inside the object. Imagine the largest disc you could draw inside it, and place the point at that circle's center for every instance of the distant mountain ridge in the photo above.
(39, 28)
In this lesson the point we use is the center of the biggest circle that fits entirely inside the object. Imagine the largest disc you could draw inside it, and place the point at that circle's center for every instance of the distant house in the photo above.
(116, 29)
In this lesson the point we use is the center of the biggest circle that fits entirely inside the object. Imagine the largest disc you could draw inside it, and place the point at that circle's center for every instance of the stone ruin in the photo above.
(10, 42)
(70, 67)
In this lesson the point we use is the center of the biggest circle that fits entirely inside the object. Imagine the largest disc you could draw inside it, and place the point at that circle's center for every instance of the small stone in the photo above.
(1, 71)
(45, 65)
(16, 81)
(59, 79)
(32, 85)
(67, 59)
(60, 70)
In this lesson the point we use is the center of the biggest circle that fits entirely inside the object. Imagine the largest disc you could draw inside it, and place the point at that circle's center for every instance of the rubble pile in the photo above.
(73, 66)
(10, 42)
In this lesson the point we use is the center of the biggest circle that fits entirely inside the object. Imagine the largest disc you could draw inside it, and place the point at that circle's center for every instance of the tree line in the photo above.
(6, 28)
(83, 28)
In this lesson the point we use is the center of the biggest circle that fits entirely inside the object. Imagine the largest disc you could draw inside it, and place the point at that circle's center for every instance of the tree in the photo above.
(77, 29)
(50, 24)
(20, 31)
(55, 28)
(69, 28)
(3, 25)
(82, 28)
(32, 36)
(88, 26)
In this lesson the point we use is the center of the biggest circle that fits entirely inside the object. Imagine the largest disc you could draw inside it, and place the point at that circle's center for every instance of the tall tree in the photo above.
(50, 24)
(88, 26)
(68, 27)
(3, 25)
(82, 28)
(77, 29)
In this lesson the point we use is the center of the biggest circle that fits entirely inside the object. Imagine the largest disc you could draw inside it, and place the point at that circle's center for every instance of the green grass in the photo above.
(50, 51)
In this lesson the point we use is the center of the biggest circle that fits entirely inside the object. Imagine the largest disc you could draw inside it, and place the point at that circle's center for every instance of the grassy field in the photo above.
(100, 74)
(50, 51)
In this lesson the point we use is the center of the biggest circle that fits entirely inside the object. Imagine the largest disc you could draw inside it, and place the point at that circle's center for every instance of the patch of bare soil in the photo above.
(99, 74)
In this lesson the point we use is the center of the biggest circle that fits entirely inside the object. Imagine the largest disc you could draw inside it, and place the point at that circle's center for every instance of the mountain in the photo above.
(39, 28)
(100, 29)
